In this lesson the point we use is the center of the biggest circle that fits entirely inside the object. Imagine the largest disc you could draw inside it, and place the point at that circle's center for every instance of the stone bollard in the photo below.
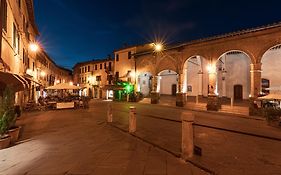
(109, 113)
(132, 120)
(231, 102)
(187, 135)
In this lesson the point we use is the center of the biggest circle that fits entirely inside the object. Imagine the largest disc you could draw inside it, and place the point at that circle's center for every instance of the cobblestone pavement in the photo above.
(222, 152)
(79, 142)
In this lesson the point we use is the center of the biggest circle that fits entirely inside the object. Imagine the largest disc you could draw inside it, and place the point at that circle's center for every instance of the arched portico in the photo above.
(233, 69)
(270, 70)
(195, 77)
(144, 84)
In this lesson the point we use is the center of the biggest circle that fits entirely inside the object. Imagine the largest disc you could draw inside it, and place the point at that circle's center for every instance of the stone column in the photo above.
(213, 102)
(255, 79)
(109, 113)
(200, 83)
(154, 93)
(187, 135)
(132, 120)
(212, 83)
(181, 96)
(224, 83)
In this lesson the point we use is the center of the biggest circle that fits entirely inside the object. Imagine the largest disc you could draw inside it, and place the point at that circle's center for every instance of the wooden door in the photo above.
(174, 89)
(238, 92)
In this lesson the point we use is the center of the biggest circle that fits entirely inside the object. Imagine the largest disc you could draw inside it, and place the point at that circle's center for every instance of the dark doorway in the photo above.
(174, 89)
(238, 92)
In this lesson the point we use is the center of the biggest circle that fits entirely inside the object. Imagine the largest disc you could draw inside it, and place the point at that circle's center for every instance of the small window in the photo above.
(100, 66)
(88, 68)
(117, 57)
(104, 65)
(15, 32)
(4, 15)
(109, 66)
(129, 55)
(19, 3)
(96, 67)
(98, 78)
(129, 76)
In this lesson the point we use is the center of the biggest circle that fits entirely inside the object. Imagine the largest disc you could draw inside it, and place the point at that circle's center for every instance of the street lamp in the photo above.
(34, 47)
(158, 47)
(43, 74)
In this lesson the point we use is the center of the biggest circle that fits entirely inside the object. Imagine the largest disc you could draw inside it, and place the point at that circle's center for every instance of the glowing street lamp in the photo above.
(158, 47)
(43, 74)
(34, 47)
(211, 69)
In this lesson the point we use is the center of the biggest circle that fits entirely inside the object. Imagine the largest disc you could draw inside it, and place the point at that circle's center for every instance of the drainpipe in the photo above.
(1, 13)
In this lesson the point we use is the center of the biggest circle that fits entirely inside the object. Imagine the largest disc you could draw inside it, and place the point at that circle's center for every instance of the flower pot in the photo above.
(14, 134)
(5, 142)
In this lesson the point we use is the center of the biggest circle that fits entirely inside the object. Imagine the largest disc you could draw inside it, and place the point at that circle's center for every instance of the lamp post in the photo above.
(34, 48)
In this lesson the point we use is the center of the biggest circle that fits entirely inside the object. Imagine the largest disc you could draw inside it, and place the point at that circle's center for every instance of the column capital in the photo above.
(256, 67)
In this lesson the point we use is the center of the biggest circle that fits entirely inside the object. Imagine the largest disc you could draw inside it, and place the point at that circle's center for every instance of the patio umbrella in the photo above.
(274, 88)
(271, 97)
(62, 86)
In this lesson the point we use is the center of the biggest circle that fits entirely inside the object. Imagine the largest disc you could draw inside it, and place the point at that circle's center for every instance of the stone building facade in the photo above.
(30, 71)
(95, 77)
(231, 65)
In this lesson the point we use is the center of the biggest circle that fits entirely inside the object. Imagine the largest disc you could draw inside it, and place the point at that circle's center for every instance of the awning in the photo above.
(63, 86)
(23, 80)
(28, 79)
(11, 80)
(271, 97)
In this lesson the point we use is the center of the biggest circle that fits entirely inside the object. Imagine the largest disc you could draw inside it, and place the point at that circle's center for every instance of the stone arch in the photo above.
(167, 82)
(166, 63)
(265, 48)
(145, 65)
(188, 56)
(144, 83)
(233, 67)
(195, 82)
(270, 66)
(244, 51)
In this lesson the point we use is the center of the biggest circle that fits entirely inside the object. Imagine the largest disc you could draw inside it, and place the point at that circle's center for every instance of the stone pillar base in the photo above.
(181, 99)
(213, 103)
(155, 96)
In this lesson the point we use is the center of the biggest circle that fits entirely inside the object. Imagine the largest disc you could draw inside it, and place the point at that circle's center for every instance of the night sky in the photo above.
(72, 31)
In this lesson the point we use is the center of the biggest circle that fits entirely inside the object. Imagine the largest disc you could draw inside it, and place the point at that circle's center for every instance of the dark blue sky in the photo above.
(78, 30)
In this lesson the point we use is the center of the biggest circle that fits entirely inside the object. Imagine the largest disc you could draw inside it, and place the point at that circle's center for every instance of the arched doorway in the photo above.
(233, 75)
(144, 84)
(195, 76)
(167, 82)
(270, 75)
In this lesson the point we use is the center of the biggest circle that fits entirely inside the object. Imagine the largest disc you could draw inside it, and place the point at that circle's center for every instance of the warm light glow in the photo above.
(70, 83)
(43, 74)
(158, 47)
(211, 68)
(33, 47)
(57, 81)
(29, 71)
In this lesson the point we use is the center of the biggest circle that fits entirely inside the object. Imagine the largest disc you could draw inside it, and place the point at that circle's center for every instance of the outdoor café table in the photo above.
(52, 104)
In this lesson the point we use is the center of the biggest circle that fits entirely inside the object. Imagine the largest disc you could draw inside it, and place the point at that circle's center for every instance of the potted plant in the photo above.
(272, 116)
(9, 116)
(5, 139)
